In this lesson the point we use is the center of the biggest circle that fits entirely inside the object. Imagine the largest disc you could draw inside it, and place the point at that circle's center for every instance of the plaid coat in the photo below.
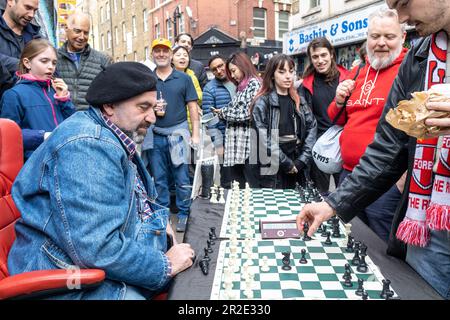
(237, 116)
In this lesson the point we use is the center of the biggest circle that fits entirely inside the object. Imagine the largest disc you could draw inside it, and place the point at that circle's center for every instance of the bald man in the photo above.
(78, 63)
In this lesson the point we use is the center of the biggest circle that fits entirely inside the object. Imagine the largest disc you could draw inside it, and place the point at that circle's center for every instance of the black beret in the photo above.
(120, 81)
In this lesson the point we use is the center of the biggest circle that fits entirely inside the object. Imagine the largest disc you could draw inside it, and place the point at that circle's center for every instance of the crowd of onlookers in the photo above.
(263, 125)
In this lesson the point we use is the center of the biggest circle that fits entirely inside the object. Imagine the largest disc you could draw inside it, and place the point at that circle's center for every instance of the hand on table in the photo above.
(181, 256)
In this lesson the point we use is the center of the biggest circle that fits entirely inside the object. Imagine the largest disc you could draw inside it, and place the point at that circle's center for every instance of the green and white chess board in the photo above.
(321, 278)
(266, 204)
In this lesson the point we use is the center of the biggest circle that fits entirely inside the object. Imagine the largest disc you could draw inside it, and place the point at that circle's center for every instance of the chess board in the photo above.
(321, 278)
(267, 204)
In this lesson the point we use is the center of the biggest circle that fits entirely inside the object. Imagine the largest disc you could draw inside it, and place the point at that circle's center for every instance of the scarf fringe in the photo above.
(438, 217)
(413, 232)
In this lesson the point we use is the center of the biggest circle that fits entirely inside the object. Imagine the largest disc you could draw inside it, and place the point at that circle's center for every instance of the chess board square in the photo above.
(268, 277)
(290, 284)
(327, 277)
(310, 285)
(271, 294)
(289, 276)
(266, 252)
(316, 249)
(318, 256)
(308, 277)
(324, 269)
(336, 256)
(321, 262)
(335, 294)
(334, 250)
(304, 269)
(280, 248)
(314, 294)
(292, 293)
(338, 263)
(267, 285)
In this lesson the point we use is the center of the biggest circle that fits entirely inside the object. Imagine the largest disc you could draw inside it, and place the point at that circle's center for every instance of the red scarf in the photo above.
(429, 195)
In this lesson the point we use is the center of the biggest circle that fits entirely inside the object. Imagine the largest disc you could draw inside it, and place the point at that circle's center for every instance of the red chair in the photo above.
(35, 283)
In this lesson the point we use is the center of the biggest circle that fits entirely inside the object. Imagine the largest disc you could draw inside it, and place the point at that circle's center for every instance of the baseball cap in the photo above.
(162, 42)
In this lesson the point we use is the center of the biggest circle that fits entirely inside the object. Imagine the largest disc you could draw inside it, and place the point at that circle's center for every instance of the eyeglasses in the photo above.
(220, 66)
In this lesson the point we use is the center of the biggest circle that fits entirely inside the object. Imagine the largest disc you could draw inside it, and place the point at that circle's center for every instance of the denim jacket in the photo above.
(80, 207)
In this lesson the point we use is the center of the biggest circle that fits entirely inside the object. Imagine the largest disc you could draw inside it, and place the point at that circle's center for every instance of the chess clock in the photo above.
(278, 229)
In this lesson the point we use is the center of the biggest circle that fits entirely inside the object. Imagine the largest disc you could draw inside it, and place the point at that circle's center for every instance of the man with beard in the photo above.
(170, 152)
(367, 97)
(16, 30)
(87, 200)
(217, 94)
(421, 225)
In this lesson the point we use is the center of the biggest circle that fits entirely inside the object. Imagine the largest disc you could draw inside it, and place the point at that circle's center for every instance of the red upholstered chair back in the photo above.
(11, 161)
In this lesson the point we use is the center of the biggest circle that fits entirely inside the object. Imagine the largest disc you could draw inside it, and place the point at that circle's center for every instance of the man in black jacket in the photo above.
(392, 152)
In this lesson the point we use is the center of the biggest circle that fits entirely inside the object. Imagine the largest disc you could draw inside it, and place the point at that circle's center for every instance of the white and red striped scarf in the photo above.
(429, 194)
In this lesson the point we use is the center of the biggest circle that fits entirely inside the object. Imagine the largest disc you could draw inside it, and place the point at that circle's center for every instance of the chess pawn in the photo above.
(362, 265)
(222, 198)
(360, 289)
(213, 195)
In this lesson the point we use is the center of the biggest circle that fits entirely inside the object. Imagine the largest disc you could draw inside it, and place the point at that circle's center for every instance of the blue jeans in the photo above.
(380, 213)
(433, 262)
(162, 166)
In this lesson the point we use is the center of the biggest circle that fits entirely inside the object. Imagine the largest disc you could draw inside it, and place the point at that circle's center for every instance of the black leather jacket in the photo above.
(389, 155)
(266, 117)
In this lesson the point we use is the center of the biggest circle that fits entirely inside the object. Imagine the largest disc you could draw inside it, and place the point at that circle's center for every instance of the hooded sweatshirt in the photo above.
(364, 109)
(32, 103)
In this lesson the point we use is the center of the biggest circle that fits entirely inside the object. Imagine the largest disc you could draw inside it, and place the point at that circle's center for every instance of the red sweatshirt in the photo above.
(364, 109)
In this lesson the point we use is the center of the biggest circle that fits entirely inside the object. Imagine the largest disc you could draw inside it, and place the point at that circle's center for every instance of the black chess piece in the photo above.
(358, 245)
(206, 256)
(328, 241)
(303, 258)
(350, 244)
(305, 232)
(208, 242)
(319, 229)
(363, 249)
(324, 231)
(286, 261)
(204, 266)
(360, 289)
(348, 268)
(211, 240)
(362, 265)
(348, 281)
(355, 260)
(336, 231)
(386, 292)
(365, 295)
(213, 232)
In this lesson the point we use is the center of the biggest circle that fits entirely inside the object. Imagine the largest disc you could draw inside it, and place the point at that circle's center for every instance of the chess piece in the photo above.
(222, 195)
(350, 244)
(324, 231)
(328, 241)
(386, 292)
(336, 231)
(204, 266)
(206, 256)
(363, 249)
(265, 264)
(286, 261)
(208, 242)
(303, 258)
(348, 276)
(355, 260)
(360, 289)
(211, 239)
(213, 195)
(362, 265)
(305, 232)
(213, 231)
(319, 229)
(365, 295)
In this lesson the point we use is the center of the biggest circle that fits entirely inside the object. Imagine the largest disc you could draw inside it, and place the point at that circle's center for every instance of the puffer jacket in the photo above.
(79, 80)
(388, 156)
(266, 117)
(215, 95)
(10, 48)
(34, 106)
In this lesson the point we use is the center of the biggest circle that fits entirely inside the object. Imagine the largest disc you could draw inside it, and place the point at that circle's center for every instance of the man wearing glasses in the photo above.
(217, 94)
(78, 64)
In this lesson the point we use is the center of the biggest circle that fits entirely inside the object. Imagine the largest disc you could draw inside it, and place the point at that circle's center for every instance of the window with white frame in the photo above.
(101, 14)
(181, 27)
(116, 35)
(259, 23)
(283, 23)
(123, 4)
(124, 32)
(108, 39)
(115, 6)
(157, 31)
(133, 24)
(314, 3)
(124, 57)
(169, 30)
(145, 20)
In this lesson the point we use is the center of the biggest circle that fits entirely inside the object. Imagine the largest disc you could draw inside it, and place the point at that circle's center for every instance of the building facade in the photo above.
(343, 22)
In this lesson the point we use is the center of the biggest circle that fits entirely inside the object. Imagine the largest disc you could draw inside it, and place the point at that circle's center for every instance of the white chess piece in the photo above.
(265, 264)
(213, 195)
(222, 198)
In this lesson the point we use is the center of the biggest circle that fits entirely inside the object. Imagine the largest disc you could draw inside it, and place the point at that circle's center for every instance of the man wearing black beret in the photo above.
(88, 202)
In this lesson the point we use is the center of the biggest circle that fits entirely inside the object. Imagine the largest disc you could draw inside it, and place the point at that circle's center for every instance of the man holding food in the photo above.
(420, 229)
